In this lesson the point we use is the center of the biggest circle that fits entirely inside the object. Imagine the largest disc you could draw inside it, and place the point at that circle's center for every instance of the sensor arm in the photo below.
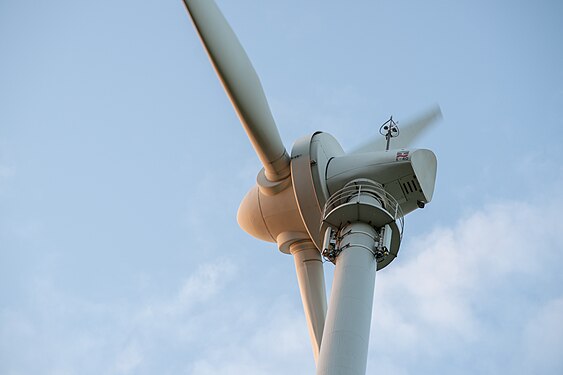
(241, 84)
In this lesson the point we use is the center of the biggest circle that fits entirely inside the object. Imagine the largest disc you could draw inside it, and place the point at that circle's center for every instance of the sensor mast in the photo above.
(389, 129)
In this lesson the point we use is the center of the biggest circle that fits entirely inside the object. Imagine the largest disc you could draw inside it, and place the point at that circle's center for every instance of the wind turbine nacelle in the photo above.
(320, 168)
(408, 175)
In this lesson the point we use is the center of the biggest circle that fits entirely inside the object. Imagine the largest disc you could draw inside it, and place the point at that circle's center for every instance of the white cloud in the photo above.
(482, 296)
(464, 294)
(128, 359)
(208, 326)
(206, 282)
(543, 339)
(273, 343)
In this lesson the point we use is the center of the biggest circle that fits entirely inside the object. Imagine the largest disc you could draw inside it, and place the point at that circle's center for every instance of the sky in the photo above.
(122, 165)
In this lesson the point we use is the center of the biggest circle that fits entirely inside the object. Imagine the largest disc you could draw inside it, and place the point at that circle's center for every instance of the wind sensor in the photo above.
(320, 202)
(389, 129)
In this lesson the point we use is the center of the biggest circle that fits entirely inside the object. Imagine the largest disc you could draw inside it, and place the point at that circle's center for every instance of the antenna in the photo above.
(389, 129)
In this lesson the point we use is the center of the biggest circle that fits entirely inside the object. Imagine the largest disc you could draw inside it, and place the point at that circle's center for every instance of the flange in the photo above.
(310, 156)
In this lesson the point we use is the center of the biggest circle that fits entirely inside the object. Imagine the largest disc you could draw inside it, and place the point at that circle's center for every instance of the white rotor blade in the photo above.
(408, 133)
(241, 84)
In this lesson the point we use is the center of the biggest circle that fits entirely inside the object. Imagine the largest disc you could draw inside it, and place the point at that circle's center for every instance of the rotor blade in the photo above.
(310, 276)
(242, 85)
(408, 133)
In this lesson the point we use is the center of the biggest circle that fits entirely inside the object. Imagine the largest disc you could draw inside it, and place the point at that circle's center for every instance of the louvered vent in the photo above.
(410, 186)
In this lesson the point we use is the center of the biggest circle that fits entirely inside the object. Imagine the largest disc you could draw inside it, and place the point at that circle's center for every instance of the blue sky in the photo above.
(122, 165)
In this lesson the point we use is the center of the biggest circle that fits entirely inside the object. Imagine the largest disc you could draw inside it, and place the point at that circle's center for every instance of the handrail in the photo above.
(355, 190)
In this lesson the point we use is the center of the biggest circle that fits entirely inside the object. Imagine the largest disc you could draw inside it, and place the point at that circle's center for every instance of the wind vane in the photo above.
(389, 129)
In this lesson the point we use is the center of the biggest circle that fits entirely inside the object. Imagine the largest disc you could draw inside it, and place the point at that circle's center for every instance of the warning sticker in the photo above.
(402, 155)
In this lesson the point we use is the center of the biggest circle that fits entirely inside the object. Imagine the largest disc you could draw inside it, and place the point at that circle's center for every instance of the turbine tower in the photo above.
(320, 202)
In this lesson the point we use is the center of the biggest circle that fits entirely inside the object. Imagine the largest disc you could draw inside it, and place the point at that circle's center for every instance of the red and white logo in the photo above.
(402, 155)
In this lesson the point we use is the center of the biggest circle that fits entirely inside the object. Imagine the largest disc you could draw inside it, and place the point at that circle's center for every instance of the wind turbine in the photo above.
(320, 202)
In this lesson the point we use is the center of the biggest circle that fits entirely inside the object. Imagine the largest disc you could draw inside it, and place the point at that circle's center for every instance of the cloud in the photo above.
(273, 344)
(128, 359)
(203, 284)
(212, 327)
(207, 326)
(481, 296)
(543, 339)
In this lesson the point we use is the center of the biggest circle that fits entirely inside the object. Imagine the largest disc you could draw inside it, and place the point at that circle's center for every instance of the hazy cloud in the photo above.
(484, 293)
